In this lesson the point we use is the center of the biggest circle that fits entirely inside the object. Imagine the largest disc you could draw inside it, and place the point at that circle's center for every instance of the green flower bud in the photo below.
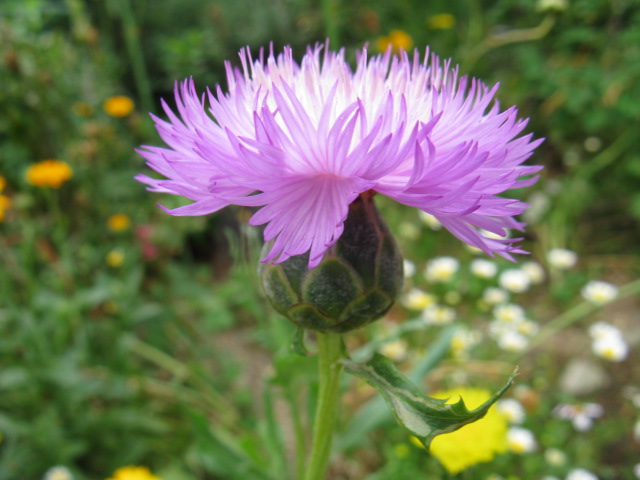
(355, 284)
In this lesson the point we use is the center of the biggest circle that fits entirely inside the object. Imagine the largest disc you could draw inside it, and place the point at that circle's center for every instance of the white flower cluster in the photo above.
(581, 415)
(510, 327)
(608, 342)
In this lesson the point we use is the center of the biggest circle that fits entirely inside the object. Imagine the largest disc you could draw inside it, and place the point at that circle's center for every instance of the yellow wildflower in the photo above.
(118, 222)
(49, 173)
(5, 203)
(397, 39)
(3, 183)
(474, 443)
(133, 473)
(118, 106)
(441, 21)
(115, 258)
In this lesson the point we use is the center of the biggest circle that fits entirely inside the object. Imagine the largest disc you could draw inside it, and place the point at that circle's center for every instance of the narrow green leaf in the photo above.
(424, 417)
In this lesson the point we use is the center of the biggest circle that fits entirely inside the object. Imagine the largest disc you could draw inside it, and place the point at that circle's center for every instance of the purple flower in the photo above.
(302, 141)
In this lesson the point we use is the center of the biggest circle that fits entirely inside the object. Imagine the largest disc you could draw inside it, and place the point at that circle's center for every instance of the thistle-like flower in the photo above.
(304, 140)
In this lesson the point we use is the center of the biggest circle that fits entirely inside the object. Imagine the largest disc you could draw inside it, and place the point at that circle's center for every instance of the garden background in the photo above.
(129, 337)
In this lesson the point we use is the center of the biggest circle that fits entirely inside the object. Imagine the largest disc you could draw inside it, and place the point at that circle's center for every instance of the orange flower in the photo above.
(397, 39)
(5, 203)
(49, 173)
(118, 106)
(118, 222)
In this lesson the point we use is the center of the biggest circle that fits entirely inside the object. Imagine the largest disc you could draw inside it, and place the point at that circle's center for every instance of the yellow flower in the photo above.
(474, 443)
(115, 258)
(133, 473)
(118, 222)
(118, 106)
(441, 21)
(3, 183)
(49, 173)
(5, 203)
(397, 39)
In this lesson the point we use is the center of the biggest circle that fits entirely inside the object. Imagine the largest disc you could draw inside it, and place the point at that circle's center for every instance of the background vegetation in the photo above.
(139, 341)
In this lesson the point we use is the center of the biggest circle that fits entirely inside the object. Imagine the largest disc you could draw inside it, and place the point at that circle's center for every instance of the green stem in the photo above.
(298, 432)
(330, 16)
(136, 56)
(330, 351)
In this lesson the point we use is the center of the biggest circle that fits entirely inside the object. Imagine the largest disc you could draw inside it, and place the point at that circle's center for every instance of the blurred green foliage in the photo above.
(148, 361)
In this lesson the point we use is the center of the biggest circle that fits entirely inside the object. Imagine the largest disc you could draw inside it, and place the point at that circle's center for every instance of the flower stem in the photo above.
(330, 351)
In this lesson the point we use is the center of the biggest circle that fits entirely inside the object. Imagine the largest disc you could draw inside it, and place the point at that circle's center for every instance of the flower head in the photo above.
(397, 40)
(515, 280)
(58, 472)
(512, 409)
(5, 204)
(521, 440)
(118, 222)
(581, 415)
(49, 173)
(483, 268)
(304, 140)
(118, 106)
(562, 258)
(133, 473)
(580, 474)
(599, 293)
(441, 269)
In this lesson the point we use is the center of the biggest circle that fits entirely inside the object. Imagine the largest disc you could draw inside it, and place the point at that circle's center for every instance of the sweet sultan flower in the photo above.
(304, 140)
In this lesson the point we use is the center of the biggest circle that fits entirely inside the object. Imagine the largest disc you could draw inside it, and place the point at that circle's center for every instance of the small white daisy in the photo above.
(509, 313)
(514, 280)
(511, 341)
(438, 315)
(534, 271)
(521, 440)
(581, 415)
(483, 268)
(396, 350)
(599, 293)
(495, 295)
(562, 258)
(512, 410)
(409, 268)
(441, 269)
(416, 299)
(555, 457)
(611, 347)
(58, 472)
(580, 474)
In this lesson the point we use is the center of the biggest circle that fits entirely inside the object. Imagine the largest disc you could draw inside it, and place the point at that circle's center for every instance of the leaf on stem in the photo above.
(424, 417)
